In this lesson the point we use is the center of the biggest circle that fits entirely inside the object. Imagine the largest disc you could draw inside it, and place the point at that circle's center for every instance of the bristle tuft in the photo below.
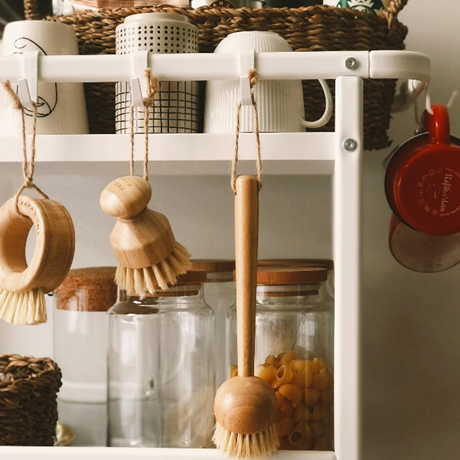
(161, 275)
(246, 445)
(23, 307)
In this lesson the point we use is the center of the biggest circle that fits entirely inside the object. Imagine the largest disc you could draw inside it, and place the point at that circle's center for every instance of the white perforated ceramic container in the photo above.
(280, 103)
(176, 106)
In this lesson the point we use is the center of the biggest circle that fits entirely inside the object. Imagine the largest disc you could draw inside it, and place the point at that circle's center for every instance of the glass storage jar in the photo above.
(161, 367)
(219, 294)
(293, 353)
(80, 348)
(80, 332)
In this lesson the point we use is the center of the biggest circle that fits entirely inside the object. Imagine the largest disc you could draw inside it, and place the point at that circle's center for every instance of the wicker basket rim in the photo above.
(48, 368)
(301, 11)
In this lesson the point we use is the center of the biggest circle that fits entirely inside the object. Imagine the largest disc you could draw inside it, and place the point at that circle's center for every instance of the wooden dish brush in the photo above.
(245, 406)
(148, 255)
(23, 286)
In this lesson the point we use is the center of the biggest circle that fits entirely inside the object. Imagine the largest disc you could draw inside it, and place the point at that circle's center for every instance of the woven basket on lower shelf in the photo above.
(313, 28)
(28, 400)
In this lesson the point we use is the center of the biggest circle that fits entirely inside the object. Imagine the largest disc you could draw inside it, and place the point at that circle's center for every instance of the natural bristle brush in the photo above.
(245, 406)
(148, 255)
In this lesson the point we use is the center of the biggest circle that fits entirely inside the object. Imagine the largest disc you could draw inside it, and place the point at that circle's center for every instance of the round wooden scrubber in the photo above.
(142, 240)
(51, 261)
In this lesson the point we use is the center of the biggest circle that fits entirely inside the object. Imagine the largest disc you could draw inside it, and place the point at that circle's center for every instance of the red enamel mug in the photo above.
(422, 181)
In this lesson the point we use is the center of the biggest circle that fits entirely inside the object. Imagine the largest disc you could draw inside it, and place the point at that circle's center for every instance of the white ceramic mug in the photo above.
(280, 103)
(365, 6)
(61, 107)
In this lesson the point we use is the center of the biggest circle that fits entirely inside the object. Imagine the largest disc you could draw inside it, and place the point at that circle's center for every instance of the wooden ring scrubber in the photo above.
(23, 286)
(245, 406)
(148, 255)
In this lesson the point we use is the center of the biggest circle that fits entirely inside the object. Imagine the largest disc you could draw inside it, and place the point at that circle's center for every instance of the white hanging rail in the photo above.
(225, 66)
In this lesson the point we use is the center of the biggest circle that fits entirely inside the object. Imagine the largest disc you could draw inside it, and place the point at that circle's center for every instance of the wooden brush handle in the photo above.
(246, 246)
(54, 245)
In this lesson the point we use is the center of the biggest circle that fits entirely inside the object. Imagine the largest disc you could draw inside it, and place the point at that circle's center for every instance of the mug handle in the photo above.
(327, 111)
(437, 124)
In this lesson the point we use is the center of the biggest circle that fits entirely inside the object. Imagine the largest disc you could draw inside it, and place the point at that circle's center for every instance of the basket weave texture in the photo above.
(313, 28)
(28, 401)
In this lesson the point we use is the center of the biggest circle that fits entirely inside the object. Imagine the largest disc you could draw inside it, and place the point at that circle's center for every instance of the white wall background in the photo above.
(410, 321)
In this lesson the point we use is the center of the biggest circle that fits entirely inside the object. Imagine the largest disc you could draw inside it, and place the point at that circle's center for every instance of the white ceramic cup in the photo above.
(280, 103)
(365, 6)
(61, 107)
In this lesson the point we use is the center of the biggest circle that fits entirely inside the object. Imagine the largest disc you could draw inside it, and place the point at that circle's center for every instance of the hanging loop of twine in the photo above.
(152, 89)
(253, 79)
(28, 167)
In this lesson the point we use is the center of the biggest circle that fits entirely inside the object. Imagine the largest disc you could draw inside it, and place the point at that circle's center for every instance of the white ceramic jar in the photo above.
(176, 106)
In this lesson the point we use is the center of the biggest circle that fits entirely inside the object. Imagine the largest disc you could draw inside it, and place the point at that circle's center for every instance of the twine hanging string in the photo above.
(253, 79)
(28, 167)
(152, 89)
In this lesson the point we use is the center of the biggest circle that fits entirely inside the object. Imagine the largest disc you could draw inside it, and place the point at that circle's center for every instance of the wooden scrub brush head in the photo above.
(149, 257)
(23, 285)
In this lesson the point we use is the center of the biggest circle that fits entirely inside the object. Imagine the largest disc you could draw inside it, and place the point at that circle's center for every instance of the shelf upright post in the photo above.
(347, 246)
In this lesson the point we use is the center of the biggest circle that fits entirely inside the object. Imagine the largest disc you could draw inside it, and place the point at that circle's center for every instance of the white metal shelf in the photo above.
(187, 154)
(283, 153)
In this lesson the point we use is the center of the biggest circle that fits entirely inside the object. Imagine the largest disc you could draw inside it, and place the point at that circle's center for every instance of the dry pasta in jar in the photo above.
(294, 347)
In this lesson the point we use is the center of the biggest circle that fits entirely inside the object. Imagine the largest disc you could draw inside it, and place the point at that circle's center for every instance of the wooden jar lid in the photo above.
(213, 265)
(97, 282)
(273, 276)
(324, 263)
(191, 277)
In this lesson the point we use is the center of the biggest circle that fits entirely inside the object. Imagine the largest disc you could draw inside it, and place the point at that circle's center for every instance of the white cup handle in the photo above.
(327, 111)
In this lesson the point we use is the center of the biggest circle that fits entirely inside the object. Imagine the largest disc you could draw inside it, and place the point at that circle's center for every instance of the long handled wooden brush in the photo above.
(149, 257)
(245, 406)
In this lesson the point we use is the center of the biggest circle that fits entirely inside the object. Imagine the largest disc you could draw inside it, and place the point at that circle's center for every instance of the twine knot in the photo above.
(253, 77)
(152, 88)
(28, 182)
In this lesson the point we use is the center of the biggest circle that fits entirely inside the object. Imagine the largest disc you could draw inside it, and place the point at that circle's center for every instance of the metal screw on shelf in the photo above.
(351, 63)
(350, 145)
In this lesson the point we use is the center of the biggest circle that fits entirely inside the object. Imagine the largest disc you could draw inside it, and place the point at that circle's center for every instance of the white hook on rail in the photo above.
(409, 91)
(139, 62)
(246, 58)
(28, 85)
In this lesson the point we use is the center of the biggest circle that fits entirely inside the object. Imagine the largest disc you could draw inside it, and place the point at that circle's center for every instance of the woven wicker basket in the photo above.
(313, 28)
(28, 404)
